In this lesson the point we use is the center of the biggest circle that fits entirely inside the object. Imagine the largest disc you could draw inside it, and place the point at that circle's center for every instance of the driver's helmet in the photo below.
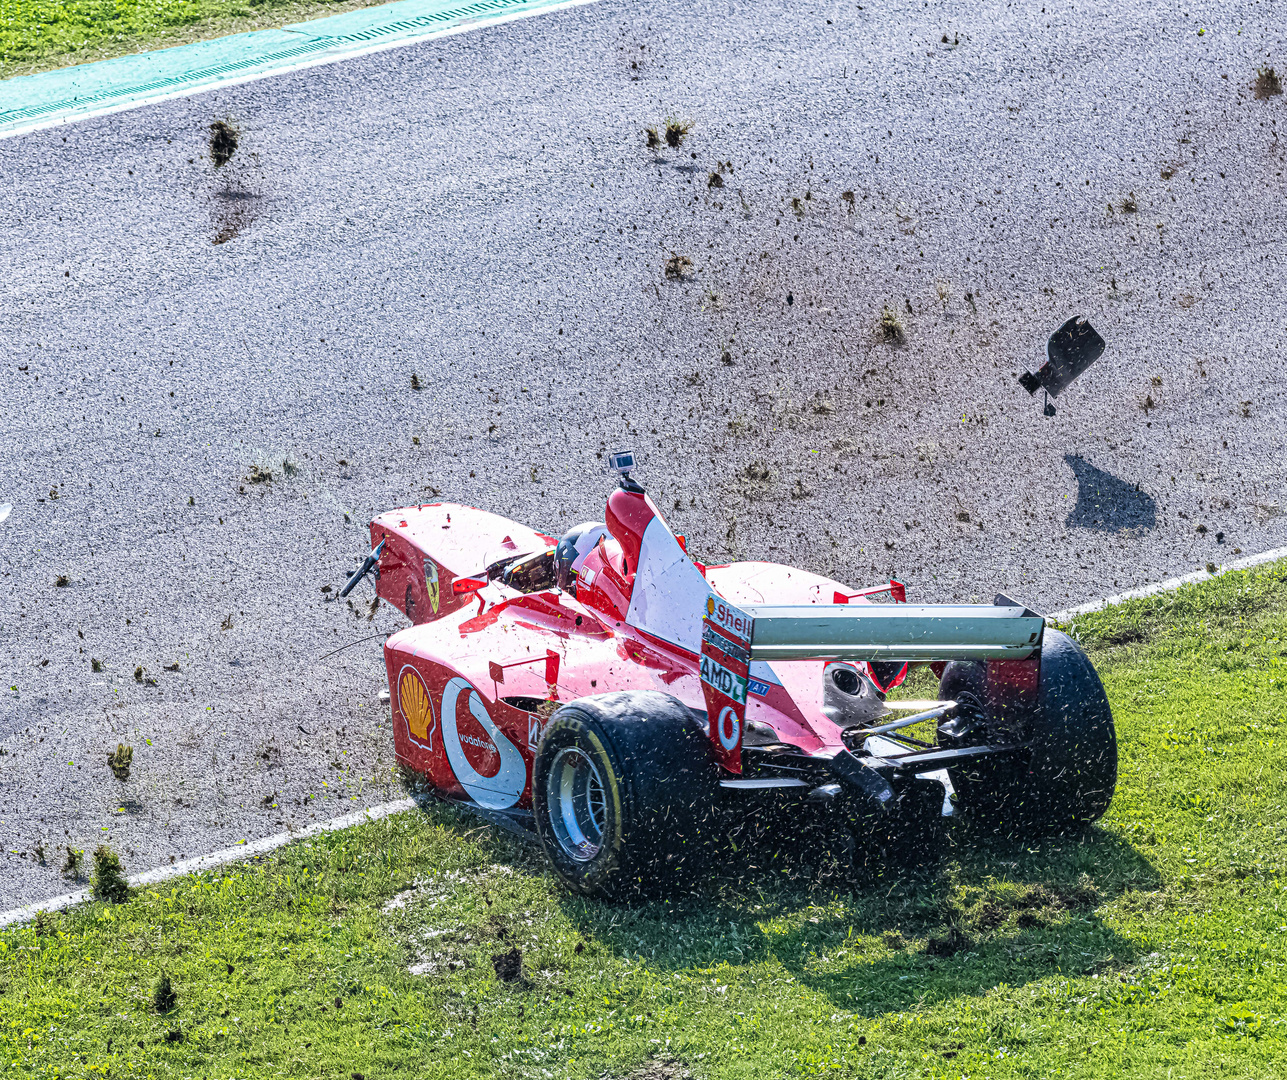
(571, 551)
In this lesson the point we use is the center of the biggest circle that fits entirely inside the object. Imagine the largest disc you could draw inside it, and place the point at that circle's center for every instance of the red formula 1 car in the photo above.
(615, 696)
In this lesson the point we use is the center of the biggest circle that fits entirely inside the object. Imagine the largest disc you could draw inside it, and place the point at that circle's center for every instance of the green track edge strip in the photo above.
(32, 102)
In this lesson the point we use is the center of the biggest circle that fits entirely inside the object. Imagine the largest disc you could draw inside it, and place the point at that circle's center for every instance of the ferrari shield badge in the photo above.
(431, 584)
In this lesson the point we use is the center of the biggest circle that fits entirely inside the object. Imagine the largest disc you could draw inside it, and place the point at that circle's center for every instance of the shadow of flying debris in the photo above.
(1107, 504)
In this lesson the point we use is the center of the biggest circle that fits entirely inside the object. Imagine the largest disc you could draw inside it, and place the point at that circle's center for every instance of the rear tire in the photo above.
(1067, 779)
(622, 785)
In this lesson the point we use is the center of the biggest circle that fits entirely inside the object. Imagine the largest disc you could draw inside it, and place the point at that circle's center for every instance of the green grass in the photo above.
(36, 35)
(1154, 945)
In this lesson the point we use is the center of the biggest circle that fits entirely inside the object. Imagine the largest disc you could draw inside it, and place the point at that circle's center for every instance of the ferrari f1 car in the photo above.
(614, 695)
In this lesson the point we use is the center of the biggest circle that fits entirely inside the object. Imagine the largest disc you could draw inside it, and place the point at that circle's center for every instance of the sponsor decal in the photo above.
(533, 733)
(725, 671)
(729, 619)
(754, 686)
(499, 790)
(728, 683)
(431, 584)
(727, 646)
(416, 707)
(585, 576)
(729, 728)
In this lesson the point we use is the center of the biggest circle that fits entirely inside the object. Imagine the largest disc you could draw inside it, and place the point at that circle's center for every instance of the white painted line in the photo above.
(239, 853)
(346, 52)
(1168, 585)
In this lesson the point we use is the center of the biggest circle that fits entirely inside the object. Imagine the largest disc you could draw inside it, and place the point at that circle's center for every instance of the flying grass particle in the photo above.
(676, 131)
(508, 965)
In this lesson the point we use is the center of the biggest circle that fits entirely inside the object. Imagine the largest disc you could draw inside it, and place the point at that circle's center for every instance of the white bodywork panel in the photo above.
(669, 595)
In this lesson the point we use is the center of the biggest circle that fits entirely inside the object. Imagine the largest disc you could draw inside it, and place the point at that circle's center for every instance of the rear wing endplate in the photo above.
(734, 638)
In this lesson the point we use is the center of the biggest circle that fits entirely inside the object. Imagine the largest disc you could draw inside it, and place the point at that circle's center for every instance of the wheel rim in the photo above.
(576, 804)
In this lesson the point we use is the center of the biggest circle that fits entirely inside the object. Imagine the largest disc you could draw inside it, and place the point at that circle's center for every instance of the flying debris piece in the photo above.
(1070, 351)
(5, 510)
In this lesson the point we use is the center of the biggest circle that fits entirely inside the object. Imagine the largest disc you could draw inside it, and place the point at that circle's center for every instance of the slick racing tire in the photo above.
(1066, 779)
(622, 786)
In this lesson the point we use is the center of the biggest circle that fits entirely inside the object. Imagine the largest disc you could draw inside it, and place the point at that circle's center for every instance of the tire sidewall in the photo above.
(573, 727)
(1073, 770)
(661, 783)
(1068, 778)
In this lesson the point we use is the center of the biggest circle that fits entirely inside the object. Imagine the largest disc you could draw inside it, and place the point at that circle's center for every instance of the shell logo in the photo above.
(416, 708)
(710, 607)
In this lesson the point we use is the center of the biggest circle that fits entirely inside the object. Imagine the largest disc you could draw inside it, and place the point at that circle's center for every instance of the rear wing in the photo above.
(734, 638)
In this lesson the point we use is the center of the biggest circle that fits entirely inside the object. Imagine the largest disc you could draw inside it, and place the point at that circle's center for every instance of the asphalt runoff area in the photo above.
(809, 317)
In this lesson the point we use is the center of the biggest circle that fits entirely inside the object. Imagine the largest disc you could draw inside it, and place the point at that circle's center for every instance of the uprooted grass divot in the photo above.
(891, 327)
(72, 863)
(120, 759)
(1149, 946)
(1268, 83)
(164, 998)
(677, 131)
(678, 267)
(223, 141)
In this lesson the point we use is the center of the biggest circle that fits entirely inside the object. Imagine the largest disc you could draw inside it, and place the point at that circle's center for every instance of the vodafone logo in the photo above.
(501, 786)
(729, 728)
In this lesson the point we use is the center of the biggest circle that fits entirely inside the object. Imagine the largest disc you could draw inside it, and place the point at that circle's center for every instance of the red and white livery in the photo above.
(618, 696)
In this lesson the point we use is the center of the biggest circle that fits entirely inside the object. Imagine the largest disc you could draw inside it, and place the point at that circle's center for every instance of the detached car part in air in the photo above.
(615, 696)
(1069, 352)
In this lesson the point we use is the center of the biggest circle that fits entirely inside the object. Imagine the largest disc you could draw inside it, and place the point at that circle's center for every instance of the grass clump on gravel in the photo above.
(36, 35)
(891, 327)
(430, 945)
